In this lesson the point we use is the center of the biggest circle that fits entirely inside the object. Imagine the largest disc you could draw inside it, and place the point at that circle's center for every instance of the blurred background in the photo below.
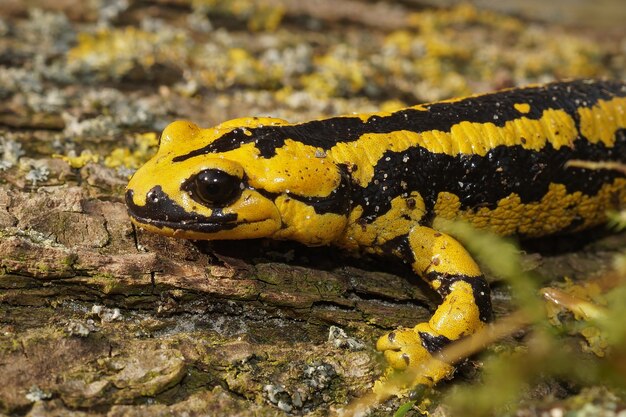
(109, 67)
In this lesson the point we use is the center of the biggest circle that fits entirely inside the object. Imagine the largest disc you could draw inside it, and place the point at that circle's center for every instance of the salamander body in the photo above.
(383, 182)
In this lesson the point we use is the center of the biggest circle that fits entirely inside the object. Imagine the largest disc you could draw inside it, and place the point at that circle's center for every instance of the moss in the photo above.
(260, 16)
(42, 267)
(547, 353)
(144, 148)
(114, 53)
(79, 161)
(69, 261)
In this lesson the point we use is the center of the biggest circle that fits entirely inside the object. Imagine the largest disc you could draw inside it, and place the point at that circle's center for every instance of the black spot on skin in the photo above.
(406, 359)
(417, 393)
(433, 343)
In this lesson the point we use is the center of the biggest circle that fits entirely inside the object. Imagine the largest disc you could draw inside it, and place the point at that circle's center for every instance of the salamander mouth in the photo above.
(192, 225)
(162, 212)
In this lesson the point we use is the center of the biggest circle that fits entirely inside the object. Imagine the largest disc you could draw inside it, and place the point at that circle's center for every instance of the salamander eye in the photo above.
(213, 187)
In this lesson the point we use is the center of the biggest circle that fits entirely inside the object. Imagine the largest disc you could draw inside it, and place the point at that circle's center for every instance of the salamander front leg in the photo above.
(447, 267)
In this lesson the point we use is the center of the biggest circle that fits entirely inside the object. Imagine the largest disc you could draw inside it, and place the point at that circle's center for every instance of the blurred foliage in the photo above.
(560, 345)
(439, 53)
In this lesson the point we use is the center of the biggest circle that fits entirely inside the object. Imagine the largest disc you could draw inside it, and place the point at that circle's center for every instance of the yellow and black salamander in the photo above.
(382, 182)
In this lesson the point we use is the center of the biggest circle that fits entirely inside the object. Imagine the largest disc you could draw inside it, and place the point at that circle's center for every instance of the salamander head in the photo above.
(215, 184)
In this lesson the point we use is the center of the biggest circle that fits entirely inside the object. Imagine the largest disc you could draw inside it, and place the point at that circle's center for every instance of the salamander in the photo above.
(384, 183)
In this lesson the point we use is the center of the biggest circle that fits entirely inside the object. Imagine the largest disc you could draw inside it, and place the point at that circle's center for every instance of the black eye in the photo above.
(213, 187)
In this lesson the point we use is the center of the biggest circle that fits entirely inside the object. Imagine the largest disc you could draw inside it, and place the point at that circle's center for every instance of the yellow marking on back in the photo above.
(365, 152)
(600, 122)
(293, 165)
(554, 213)
(555, 127)
(522, 107)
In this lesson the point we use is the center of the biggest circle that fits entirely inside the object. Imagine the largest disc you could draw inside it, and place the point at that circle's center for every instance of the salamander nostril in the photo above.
(152, 196)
